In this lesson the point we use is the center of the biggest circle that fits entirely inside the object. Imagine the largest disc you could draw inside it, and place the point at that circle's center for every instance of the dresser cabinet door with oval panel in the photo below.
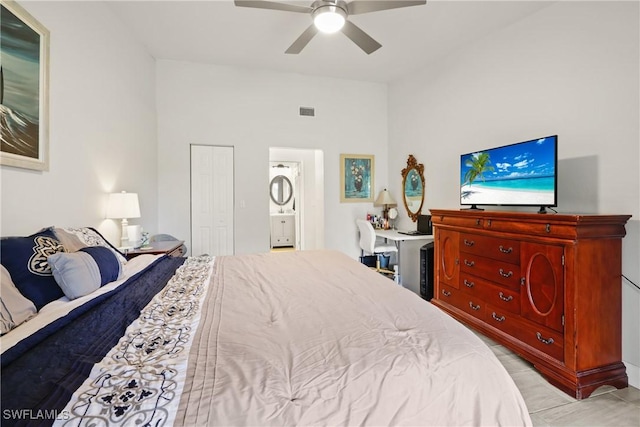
(541, 296)
(448, 269)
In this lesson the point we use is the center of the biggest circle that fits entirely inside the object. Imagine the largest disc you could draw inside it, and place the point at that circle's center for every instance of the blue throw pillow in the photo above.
(84, 271)
(26, 260)
(108, 264)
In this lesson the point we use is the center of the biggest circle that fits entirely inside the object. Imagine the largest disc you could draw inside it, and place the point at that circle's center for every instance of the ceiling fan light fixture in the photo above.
(329, 19)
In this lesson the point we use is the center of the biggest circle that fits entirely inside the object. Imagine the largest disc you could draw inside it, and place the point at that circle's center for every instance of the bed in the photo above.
(296, 338)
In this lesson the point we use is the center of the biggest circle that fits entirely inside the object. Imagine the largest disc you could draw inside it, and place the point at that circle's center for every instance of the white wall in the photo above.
(254, 110)
(102, 126)
(570, 69)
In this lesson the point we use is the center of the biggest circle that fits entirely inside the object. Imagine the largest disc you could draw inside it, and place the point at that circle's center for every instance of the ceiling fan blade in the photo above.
(272, 5)
(359, 37)
(363, 6)
(303, 40)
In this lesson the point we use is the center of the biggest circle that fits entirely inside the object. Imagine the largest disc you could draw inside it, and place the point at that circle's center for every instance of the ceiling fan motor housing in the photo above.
(336, 4)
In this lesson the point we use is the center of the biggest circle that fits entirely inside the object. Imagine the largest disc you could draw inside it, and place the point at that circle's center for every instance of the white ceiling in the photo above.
(218, 32)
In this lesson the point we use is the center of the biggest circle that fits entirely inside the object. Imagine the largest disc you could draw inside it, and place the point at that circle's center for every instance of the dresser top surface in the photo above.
(535, 217)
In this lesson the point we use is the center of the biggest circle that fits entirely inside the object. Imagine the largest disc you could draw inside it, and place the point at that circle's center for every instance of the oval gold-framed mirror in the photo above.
(280, 190)
(413, 187)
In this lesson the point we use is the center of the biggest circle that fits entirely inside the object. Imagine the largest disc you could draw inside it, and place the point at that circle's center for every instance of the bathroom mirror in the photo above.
(413, 187)
(280, 190)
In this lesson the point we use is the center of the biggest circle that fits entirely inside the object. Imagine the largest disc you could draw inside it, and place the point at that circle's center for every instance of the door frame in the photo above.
(310, 207)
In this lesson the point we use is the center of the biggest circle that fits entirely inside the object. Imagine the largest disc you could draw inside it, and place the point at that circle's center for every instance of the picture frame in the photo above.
(356, 177)
(24, 89)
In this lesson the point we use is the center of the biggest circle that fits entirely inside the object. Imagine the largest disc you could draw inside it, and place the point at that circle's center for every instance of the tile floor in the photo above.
(551, 407)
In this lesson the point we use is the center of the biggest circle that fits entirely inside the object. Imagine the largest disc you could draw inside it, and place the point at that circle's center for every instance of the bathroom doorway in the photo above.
(297, 222)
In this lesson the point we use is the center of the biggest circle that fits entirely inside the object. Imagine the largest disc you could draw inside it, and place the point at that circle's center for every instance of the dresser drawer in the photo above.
(501, 297)
(462, 300)
(547, 229)
(504, 273)
(178, 252)
(544, 339)
(468, 222)
(491, 247)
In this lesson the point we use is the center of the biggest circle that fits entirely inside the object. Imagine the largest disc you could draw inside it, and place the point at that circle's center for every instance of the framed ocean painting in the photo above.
(356, 177)
(24, 89)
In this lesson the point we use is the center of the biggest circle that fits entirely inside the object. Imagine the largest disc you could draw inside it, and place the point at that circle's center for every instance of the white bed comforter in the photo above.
(315, 338)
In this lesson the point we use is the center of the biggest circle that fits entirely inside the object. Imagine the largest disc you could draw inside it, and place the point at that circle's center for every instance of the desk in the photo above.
(398, 238)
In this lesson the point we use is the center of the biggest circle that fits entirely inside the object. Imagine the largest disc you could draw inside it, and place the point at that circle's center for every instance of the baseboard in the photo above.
(633, 372)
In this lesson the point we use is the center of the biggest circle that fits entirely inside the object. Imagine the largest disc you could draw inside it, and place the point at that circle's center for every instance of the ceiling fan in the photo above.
(330, 16)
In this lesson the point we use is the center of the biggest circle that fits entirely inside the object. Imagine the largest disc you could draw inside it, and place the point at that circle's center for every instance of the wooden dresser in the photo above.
(546, 286)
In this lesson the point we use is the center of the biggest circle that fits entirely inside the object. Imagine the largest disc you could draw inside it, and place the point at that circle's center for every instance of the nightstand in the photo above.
(174, 248)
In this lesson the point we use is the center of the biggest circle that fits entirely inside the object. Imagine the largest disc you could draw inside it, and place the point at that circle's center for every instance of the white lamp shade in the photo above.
(384, 198)
(123, 205)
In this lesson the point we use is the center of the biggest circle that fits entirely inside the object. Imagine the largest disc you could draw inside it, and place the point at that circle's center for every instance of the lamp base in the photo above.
(124, 236)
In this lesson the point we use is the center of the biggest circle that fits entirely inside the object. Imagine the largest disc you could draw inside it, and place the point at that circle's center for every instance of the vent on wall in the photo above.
(307, 111)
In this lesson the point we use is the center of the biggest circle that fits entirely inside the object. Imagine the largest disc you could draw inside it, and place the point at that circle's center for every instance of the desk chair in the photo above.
(369, 245)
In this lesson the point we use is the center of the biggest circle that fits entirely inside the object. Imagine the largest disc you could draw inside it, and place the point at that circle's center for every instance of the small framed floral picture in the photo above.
(356, 177)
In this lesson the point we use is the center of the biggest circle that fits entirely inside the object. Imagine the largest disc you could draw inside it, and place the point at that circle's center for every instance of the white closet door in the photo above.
(211, 200)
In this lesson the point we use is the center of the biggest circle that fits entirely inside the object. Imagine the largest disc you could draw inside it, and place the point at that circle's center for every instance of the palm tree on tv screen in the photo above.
(478, 163)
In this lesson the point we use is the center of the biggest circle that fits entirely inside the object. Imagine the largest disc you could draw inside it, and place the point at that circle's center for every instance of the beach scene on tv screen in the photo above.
(518, 174)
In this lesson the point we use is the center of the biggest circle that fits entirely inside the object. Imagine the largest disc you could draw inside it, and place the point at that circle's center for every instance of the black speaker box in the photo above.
(427, 270)
(424, 224)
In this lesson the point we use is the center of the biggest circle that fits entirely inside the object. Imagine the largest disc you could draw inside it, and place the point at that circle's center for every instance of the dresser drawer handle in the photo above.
(507, 275)
(547, 228)
(474, 307)
(469, 242)
(506, 299)
(446, 293)
(469, 263)
(469, 284)
(496, 318)
(505, 251)
(544, 341)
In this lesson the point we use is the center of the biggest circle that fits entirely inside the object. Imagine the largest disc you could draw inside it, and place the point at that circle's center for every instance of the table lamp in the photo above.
(385, 199)
(123, 206)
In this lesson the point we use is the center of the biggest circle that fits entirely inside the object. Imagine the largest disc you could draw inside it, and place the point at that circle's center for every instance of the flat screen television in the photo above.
(521, 174)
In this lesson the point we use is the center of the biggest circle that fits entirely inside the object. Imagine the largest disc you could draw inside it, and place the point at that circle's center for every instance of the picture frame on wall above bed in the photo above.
(356, 178)
(24, 89)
